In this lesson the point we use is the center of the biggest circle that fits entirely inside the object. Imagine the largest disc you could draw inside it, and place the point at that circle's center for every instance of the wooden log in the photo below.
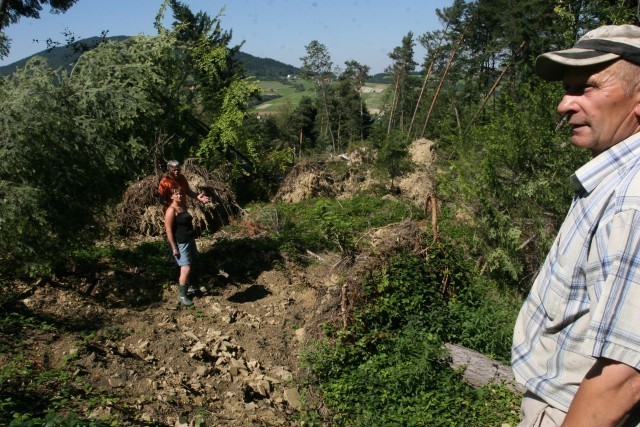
(480, 370)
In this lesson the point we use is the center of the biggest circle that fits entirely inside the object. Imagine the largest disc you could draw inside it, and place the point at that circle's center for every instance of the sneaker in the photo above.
(185, 301)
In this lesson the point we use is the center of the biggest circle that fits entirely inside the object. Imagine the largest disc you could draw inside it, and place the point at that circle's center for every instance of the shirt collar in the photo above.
(615, 159)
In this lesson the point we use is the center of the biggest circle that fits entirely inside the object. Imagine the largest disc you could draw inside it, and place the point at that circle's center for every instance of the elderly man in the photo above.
(576, 344)
(175, 178)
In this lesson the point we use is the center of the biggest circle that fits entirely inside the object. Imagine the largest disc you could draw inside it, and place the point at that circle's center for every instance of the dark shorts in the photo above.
(188, 253)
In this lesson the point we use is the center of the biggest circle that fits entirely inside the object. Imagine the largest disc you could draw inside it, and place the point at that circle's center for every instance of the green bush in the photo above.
(406, 288)
(407, 382)
(328, 224)
(390, 368)
(482, 318)
(506, 182)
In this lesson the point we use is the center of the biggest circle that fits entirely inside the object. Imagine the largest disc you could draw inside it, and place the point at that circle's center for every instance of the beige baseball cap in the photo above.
(599, 46)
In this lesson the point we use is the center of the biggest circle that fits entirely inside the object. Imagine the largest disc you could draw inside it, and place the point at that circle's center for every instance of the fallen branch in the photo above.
(316, 256)
(527, 242)
(479, 370)
(343, 305)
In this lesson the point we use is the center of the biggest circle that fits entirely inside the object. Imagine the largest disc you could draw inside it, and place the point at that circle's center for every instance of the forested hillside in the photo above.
(66, 56)
(352, 245)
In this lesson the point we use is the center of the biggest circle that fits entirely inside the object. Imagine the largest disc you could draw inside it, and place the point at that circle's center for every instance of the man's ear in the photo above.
(636, 109)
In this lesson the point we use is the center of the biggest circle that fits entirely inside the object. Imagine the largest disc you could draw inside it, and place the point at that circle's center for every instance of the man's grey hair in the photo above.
(173, 164)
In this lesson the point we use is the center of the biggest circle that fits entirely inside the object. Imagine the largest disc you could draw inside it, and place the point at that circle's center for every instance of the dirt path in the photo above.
(231, 360)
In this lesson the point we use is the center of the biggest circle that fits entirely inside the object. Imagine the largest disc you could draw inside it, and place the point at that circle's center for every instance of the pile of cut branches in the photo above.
(305, 181)
(140, 213)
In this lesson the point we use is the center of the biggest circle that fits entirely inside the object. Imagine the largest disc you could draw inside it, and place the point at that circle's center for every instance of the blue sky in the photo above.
(362, 30)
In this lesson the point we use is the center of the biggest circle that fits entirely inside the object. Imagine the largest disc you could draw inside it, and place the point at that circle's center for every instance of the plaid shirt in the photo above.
(585, 302)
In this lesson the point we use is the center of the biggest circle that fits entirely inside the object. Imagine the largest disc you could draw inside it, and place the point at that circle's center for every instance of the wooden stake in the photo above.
(432, 202)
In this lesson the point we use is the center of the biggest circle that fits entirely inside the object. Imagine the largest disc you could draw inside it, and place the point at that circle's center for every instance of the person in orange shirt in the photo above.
(174, 178)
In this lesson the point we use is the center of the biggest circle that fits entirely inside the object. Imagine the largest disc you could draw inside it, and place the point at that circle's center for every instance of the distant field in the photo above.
(373, 94)
(287, 94)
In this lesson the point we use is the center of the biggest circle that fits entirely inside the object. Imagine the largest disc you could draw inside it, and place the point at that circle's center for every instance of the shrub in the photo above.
(389, 367)
(328, 224)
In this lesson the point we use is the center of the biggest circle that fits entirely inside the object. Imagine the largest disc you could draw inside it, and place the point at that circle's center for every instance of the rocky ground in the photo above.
(232, 359)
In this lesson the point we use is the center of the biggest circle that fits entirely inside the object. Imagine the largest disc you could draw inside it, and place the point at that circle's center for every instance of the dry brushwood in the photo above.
(140, 212)
(306, 180)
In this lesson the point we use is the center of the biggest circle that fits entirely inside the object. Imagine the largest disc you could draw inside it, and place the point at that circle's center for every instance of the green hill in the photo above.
(62, 56)
(66, 56)
(266, 68)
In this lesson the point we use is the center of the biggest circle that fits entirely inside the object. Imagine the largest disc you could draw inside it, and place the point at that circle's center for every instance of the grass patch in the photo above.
(330, 225)
(374, 95)
(285, 93)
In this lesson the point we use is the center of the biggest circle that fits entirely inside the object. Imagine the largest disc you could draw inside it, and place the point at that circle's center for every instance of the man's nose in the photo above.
(566, 105)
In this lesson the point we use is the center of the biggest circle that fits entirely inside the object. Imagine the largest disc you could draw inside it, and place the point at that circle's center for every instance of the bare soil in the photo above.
(232, 359)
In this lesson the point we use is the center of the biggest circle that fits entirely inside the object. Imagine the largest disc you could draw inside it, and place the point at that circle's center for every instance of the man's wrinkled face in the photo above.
(599, 110)
(174, 171)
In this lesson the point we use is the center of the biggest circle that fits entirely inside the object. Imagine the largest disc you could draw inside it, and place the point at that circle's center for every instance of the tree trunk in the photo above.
(393, 104)
(426, 80)
(326, 112)
(488, 95)
(444, 75)
(480, 370)
(424, 86)
(361, 113)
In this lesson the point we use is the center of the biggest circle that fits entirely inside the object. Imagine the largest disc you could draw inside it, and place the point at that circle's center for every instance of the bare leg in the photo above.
(185, 271)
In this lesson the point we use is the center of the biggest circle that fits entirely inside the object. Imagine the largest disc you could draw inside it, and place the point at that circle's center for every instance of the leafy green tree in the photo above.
(354, 118)
(191, 26)
(304, 119)
(55, 169)
(393, 158)
(317, 66)
(508, 186)
(137, 89)
(403, 65)
(220, 94)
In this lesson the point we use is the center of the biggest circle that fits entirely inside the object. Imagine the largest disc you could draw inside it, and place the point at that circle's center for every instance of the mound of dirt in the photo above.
(342, 292)
(309, 180)
(140, 213)
(305, 181)
(418, 184)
